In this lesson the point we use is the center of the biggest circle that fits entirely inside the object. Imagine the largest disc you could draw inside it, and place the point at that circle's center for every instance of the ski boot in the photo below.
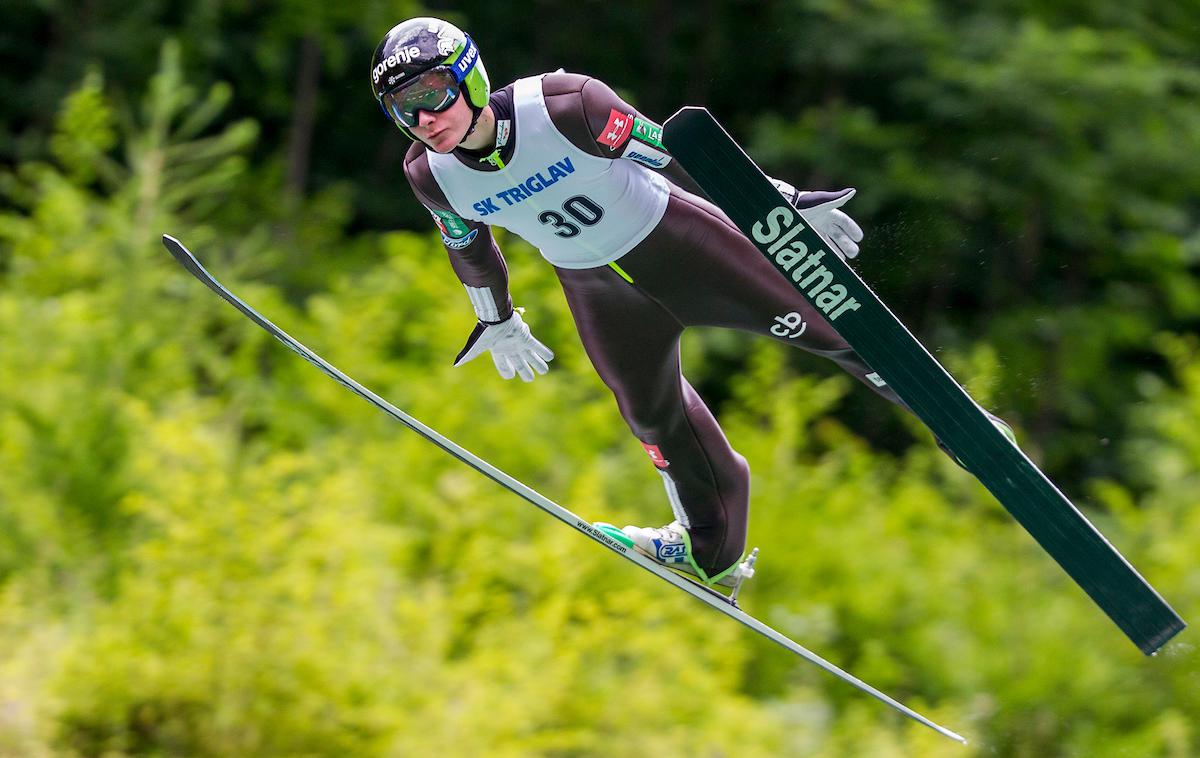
(671, 546)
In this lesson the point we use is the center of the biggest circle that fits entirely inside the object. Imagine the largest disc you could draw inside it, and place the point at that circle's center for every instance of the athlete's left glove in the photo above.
(514, 350)
(820, 209)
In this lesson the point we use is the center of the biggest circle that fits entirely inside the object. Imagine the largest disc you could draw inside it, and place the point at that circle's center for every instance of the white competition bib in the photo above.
(579, 210)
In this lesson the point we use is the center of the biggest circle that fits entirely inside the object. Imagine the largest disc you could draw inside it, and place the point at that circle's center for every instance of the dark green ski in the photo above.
(739, 187)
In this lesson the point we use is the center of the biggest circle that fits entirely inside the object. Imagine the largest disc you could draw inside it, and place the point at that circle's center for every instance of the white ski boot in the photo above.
(671, 546)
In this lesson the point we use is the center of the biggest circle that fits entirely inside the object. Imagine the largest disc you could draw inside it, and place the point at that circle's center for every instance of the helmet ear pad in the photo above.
(478, 86)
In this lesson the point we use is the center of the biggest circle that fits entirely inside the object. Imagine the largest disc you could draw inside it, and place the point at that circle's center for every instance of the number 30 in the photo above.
(581, 208)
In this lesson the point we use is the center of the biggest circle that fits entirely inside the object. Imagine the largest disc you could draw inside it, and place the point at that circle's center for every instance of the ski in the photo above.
(735, 184)
(709, 596)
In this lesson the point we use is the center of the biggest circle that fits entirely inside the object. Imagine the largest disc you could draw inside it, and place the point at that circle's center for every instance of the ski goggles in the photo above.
(434, 91)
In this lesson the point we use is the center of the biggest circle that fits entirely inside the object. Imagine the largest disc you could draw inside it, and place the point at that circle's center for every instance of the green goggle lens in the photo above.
(432, 91)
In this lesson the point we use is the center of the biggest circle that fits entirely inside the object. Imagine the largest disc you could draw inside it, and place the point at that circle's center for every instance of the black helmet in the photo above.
(420, 45)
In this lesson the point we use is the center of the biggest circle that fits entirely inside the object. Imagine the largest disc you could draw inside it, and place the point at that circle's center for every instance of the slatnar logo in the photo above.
(778, 230)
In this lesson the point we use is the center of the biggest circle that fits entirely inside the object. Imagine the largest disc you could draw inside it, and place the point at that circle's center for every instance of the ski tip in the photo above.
(171, 243)
(947, 733)
(178, 251)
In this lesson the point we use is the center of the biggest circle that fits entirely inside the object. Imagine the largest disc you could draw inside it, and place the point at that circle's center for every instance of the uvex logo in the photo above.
(464, 63)
(778, 230)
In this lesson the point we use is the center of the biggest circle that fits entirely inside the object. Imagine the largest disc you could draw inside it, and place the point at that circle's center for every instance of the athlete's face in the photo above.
(443, 131)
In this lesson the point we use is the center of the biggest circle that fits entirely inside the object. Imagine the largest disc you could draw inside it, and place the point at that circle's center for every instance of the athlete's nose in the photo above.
(425, 118)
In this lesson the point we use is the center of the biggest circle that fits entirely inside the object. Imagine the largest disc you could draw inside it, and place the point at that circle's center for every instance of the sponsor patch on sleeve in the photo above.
(450, 224)
(646, 145)
(460, 242)
(646, 155)
(618, 129)
(649, 132)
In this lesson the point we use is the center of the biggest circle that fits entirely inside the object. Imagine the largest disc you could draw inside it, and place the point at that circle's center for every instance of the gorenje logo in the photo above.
(779, 230)
(403, 55)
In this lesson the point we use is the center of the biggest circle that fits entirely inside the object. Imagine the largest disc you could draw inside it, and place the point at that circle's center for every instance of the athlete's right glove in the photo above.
(514, 350)
(820, 209)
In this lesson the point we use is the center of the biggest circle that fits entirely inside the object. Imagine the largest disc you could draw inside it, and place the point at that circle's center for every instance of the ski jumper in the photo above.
(580, 175)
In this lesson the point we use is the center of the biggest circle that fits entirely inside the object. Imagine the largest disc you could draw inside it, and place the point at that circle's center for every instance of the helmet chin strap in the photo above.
(475, 114)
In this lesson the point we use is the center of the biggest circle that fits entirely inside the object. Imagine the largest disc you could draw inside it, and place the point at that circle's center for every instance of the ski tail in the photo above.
(721, 167)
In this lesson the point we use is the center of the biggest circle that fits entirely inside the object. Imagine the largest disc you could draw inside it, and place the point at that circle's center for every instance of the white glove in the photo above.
(514, 350)
(820, 210)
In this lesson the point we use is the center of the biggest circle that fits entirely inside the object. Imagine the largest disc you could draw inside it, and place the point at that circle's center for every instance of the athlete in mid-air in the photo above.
(569, 166)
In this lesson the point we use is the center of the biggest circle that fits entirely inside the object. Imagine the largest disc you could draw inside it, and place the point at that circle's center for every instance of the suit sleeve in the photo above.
(590, 114)
(474, 255)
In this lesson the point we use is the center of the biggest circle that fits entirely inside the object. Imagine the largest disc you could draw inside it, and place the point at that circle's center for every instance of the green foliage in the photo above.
(1030, 178)
(85, 134)
(207, 548)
